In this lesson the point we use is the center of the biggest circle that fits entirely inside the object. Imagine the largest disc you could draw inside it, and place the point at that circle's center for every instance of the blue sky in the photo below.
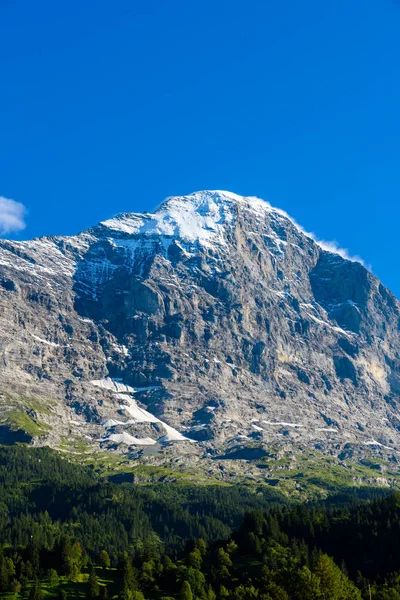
(109, 107)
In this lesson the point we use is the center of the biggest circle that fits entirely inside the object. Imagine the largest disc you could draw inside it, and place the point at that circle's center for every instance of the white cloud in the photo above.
(332, 246)
(12, 216)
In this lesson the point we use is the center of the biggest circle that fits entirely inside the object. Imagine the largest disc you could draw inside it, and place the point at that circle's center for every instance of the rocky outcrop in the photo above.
(215, 324)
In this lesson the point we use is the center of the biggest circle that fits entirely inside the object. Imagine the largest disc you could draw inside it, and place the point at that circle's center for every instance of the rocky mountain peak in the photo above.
(215, 322)
(199, 217)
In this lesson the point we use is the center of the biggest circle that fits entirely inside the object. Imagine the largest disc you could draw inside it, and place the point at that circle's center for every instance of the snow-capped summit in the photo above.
(200, 217)
(215, 319)
(203, 217)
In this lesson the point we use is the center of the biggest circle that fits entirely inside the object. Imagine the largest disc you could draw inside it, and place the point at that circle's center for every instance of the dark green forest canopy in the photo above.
(64, 530)
(45, 496)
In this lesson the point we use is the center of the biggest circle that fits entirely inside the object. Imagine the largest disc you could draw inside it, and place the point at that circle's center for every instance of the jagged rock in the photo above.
(215, 319)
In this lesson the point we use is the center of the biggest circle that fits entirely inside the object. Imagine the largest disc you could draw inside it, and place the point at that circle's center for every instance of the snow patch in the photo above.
(112, 423)
(172, 435)
(327, 429)
(121, 349)
(129, 440)
(140, 415)
(115, 385)
(42, 341)
(257, 428)
(333, 327)
(283, 423)
(375, 443)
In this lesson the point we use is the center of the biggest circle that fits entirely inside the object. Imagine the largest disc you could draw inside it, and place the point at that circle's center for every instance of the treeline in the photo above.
(45, 497)
(265, 559)
(365, 536)
(62, 525)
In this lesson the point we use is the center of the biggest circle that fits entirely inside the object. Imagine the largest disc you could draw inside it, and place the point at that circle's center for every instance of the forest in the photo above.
(66, 532)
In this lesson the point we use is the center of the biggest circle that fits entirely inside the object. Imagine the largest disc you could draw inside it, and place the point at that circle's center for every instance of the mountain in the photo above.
(214, 328)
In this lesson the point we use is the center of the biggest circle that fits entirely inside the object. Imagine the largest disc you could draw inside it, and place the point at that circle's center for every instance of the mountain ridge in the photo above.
(226, 323)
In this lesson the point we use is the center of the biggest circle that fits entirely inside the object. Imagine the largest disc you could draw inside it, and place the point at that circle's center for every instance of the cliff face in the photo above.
(215, 319)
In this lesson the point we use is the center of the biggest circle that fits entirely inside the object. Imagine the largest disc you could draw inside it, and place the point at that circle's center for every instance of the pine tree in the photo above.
(194, 559)
(36, 591)
(186, 591)
(34, 556)
(71, 556)
(223, 593)
(53, 578)
(129, 583)
(93, 590)
(104, 559)
(201, 546)
(333, 583)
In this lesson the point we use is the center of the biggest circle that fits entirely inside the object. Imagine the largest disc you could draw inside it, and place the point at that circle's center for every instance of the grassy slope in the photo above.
(307, 475)
(300, 475)
(74, 589)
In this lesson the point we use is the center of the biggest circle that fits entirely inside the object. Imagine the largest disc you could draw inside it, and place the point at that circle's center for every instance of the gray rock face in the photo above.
(215, 319)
